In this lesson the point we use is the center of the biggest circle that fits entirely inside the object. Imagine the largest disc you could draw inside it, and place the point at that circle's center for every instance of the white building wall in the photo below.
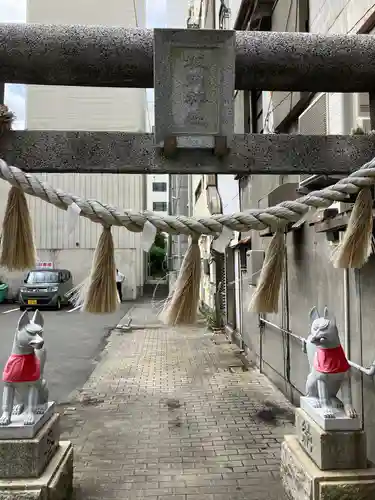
(234, 6)
(176, 13)
(91, 109)
(339, 17)
(333, 17)
(157, 196)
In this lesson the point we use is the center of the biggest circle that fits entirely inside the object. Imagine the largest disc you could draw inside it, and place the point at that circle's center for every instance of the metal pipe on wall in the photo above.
(119, 57)
(367, 371)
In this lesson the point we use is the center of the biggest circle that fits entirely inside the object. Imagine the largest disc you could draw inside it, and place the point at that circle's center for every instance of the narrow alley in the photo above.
(171, 414)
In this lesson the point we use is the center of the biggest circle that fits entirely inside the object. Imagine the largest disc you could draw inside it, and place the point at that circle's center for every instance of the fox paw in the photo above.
(336, 403)
(350, 411)
(40, 410)
(29, 419)
(5, 419)
(328, 413)
(17, 410)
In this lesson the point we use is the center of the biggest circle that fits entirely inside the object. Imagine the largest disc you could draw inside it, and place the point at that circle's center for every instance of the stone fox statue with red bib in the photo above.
(330, 370)
(23, 372)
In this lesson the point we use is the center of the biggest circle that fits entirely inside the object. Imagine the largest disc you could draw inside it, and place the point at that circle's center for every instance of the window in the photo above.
(159, 206)
(160, 187)
(42, 277)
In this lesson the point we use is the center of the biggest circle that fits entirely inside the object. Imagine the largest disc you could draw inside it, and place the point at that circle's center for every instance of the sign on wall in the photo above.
(44, 265)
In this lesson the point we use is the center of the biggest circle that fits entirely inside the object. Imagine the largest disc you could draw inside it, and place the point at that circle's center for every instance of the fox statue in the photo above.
(23, 373)
(330, 369)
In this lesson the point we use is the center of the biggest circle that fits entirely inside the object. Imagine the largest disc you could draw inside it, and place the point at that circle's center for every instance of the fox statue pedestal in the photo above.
(34, 463)
(327, 458)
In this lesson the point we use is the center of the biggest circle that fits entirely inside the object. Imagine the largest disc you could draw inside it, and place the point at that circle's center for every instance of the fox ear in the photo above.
(38, 318)
(23, 321)
(314, 314)
(326, 313)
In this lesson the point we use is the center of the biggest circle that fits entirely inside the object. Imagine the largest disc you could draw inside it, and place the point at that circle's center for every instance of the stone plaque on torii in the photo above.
(194, 87)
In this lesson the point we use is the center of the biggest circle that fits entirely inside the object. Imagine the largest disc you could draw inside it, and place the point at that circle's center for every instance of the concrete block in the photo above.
(347, 491)
(340, 423)
(21, 495)
(17, 430)
(56, 483)
(303, 480)
(331, 450)
(22, 458)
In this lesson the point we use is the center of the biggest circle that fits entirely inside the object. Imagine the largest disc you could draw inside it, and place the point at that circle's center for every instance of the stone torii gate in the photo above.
(119, 57)
(194, 74)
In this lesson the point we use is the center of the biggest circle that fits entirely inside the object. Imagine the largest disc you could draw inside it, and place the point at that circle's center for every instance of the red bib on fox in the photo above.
(331, 360)
(22, 368)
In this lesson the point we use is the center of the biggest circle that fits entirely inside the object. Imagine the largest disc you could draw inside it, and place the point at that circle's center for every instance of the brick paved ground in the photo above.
(165, 417)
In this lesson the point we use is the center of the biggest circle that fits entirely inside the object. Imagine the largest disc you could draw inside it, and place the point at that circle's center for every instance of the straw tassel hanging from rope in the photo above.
(17, 243)
(266, 296)
(182, 307)
(355, 247)
(99, 293)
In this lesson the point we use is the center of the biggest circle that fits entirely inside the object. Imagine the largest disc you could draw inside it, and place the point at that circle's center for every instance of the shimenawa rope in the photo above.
(277, 216)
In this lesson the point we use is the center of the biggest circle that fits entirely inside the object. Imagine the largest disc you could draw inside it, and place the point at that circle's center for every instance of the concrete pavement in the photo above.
(73, 342)
(170, 414)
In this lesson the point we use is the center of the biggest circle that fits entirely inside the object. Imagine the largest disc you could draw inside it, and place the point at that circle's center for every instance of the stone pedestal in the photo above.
(331, 450)
(22, 458)
(303, 480)
(17, 430)
(340, 423)
(40, 467)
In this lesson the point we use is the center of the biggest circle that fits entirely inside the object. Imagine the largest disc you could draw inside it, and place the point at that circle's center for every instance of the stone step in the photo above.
(56, 482)
(303, 480)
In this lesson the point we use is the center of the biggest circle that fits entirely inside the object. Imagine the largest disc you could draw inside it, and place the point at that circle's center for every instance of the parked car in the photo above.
(45, 288)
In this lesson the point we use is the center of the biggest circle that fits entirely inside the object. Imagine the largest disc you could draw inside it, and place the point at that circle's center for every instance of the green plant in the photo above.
(157, 255)
(213, 317)
(358, 131)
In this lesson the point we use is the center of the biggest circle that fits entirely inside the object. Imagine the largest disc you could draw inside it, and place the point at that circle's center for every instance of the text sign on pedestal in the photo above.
(194, 86)
(337, 450)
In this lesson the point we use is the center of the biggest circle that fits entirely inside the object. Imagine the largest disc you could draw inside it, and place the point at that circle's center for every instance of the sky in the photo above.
(14, 11)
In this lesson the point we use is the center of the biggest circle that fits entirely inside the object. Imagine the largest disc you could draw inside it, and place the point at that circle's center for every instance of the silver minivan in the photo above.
(45, 288)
